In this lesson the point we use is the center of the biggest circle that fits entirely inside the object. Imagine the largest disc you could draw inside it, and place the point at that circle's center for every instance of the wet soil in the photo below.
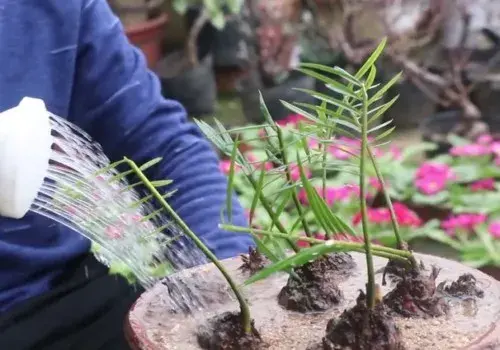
(225, 332)
(416, 296)
(363, 329)
(280, 329)
(253, 262)
(316, 288)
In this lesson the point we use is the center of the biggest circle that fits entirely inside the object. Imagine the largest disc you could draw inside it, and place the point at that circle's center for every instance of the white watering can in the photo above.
(25, 149)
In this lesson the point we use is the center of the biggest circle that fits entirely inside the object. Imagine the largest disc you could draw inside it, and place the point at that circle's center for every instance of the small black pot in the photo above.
(194, 87)
(272, 96)
(230, 46)
(440, 123)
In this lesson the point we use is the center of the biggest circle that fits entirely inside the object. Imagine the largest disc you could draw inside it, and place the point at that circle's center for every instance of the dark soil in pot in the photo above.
(194, 87)
(273, 95)
(470, 321)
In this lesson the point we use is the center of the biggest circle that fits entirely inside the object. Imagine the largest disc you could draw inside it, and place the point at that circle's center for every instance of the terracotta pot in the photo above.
(148, 37)
(154, 323)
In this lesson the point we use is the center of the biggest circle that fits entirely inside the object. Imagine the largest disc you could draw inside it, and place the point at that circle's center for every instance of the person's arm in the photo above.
(118, 101)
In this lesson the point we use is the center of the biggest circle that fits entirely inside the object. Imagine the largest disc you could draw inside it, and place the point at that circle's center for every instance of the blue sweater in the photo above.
(74, 55)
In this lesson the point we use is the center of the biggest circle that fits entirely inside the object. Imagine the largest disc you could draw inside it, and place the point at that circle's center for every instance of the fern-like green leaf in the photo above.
(161, 183)
(372, 59)
(150, 163)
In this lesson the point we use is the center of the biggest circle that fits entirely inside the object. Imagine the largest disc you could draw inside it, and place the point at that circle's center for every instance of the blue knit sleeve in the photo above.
(118, 101)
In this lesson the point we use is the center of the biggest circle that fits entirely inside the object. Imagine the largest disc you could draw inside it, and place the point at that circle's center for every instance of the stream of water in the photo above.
(110, 214)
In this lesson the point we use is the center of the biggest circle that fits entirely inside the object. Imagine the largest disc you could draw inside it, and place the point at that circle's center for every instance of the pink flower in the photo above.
(430, 185)
(291, 120)
(344, 148)
(404, 216)
(313, 143)
(295, 173)
(374, 183)
(225, 166)
(484, 139)
(375, 216)
(333, 194)
(483, 185)
(432, 178)
(495, 148)
(470, 150)
(494, 229)
(395, 152)
(434, 169)
(462, 222)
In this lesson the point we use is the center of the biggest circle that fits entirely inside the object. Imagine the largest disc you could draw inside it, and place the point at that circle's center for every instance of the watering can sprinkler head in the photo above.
(25, 149)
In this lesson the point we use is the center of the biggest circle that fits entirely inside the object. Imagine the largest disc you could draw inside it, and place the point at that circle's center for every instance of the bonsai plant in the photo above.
(144, 23)
(185, 76)
(326, 273)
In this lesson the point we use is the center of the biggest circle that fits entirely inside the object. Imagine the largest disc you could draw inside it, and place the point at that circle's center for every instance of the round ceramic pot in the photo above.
(155, 323)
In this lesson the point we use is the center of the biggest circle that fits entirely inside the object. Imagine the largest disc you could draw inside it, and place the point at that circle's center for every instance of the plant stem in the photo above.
(295, 198)
(244, 309)
(370, 288)
(272, 214)
(377, 250)
(394, 221)
(192, 40)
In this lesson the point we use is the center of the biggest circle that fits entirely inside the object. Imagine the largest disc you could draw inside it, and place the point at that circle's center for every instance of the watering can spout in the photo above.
(25, 149)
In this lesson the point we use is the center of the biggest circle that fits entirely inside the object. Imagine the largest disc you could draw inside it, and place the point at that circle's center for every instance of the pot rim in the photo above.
(153, 5)
(148, 25)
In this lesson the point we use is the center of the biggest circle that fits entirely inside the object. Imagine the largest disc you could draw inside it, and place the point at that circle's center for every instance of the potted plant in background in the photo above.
(144, 22)
(187, 76)
(275, 48)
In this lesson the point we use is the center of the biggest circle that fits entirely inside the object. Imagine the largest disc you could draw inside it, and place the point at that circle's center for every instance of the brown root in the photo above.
(253, 262)
(225, 332)
(363, 328)
(464, 286)
(316, 289)
(415, 296)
